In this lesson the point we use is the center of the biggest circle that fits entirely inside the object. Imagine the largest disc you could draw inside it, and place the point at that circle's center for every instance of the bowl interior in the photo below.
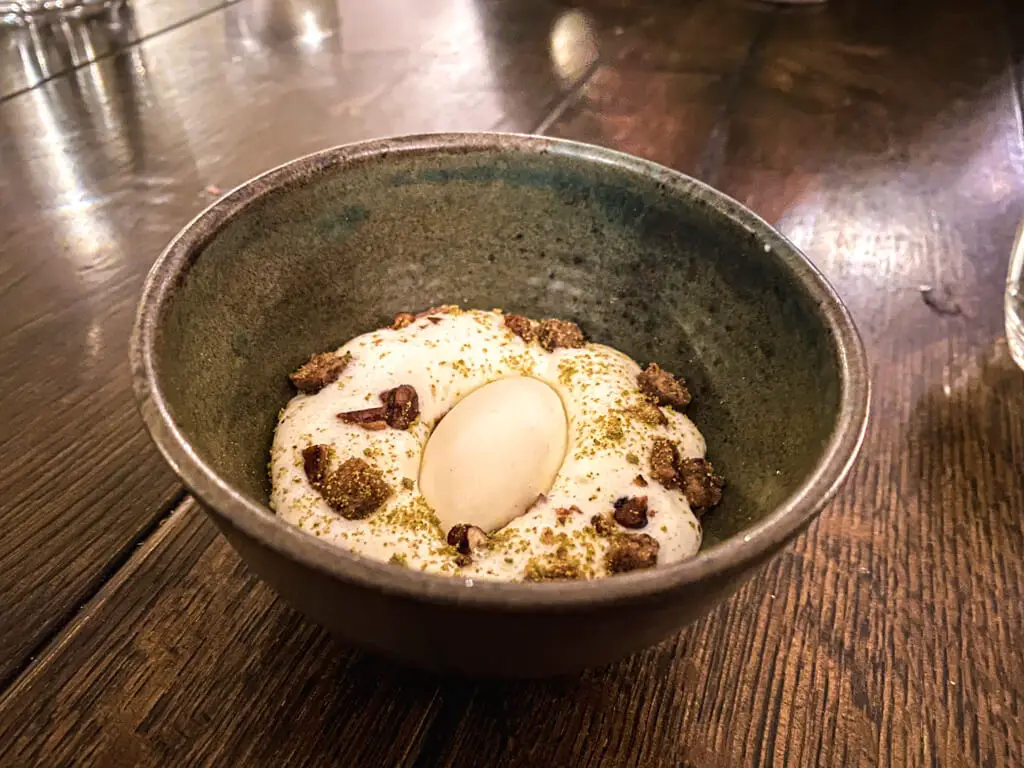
(651, 263)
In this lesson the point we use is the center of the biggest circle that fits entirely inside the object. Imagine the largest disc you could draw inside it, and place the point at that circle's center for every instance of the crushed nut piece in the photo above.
(467, 538)
(560, 333)
(401, 408)
(602, 525)
(665, 388)
(319, 371)
(665, 462)
(402, 405)
(521, 327)
(368, 418)
(552, 569)
(403, 320)
(696, 477)
(355, 490)
(631, 552)
(701, 486)
(648, 413)
(316, 463)
(547, 536)
(564, 513)
(631, 512)
(639, 480)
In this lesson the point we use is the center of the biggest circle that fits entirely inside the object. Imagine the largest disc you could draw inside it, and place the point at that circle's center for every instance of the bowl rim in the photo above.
(737, 553)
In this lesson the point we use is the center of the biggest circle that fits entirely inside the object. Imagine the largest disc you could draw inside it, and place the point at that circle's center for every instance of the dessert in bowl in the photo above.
(662, 276)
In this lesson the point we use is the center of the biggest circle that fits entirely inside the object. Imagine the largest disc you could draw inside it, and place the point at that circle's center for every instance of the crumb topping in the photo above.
(349, 474)
(521, 327)
(553, 334)
(663, 387)
(631, 511)
(631, 552)
(319, 371)
(355, 490)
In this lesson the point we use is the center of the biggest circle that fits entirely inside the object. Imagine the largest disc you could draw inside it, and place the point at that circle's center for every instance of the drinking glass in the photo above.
(19, 13)
(1014, 302)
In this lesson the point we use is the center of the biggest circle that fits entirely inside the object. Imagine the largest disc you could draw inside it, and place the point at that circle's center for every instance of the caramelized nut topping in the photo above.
(696, 477)
(701, 486)
(602, 525)
(663, 387)
(402, 405)
(316, 463)
(560, 333)
(564, 513)
(467, 538)
(552, 568)
(403, 320)
(355, 490)
(665, 462)
(648, 413)
(631, 512)
(631, 552)
(367, 418)
(401, 408)
(521, 327)
(319, 371)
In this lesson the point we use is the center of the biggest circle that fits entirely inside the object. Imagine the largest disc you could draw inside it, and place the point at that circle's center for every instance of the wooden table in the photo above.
(883, 138)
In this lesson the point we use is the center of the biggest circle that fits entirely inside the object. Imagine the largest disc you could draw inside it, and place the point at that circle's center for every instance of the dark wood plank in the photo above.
(178, 703)
(665, 81)
(102, 166)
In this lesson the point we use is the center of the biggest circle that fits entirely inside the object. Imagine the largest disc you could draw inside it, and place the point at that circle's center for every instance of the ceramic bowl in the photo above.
(648, 260)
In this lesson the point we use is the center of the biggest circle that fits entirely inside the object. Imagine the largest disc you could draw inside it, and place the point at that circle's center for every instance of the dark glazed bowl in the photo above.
(650, 261)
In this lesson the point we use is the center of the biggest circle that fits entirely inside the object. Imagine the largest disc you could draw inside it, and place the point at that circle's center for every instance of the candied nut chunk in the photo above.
(665, 462)
(564, 513)
(552, 568)
(316, 461)
(401, 408)
(663, 387)
(701, 486)
(521, 327)
(403, 320)
(602, 525)
(402, 405)
(467, 538)
(560, 333)
(319, 371)
(368, 418)
(355, 490)
(695, 477)
(631, 511)
(648, 413)
(631, 552)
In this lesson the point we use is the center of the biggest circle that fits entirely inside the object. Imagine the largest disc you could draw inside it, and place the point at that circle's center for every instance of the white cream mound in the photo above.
(533, 445)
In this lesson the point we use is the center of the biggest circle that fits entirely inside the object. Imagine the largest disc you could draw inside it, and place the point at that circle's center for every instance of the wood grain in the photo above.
(167, 608)
(102, 166)
(886, 142)
(31, 56)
